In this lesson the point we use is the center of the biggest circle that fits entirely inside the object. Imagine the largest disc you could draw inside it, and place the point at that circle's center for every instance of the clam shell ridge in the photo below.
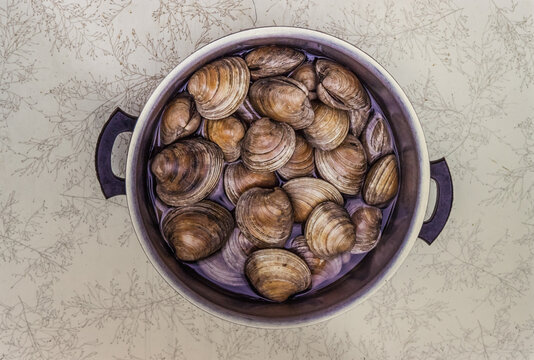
(329, 230)
(344, 167)
(265, 216)
(267, 145)
(227, 133)
(187, 171)
(198, 230)
(381, 182)
(238, 179)
(376, 139)
(217, 270)
(367, 220)
(307, 76)
(179, 119)
(277, 273)
(306, 193)
(272, 60)
(236, 251)
(329, 127)
(220, 87)
(302, 161)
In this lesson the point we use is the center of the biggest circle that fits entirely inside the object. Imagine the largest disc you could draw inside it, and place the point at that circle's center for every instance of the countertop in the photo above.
(75, 281)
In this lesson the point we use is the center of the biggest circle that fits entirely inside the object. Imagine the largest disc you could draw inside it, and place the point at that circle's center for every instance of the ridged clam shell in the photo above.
(358, 119)
(220, 87)
(265, 216)
(277, 273)
(306, 193)
(272, 60)
(236, 251)
(238, 179)
(376, 139)
(367, 220)
(329, 127)
(305, 74)
(301, 162)
(247, 113)
(179, 119)
(227, 133)
(217, 270)
(344, 167)
(267, 145)
(329, 230)
(282, 99)
(187, 171)
(381, 182)
(198, 230)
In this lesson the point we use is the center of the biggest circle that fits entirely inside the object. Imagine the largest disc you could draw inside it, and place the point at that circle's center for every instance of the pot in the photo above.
(406, 223)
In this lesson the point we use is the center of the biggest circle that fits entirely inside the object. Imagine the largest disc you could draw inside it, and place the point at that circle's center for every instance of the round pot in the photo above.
(405, 225)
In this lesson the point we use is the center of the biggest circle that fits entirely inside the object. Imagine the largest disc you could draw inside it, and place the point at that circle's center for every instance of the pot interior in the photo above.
(397, 238)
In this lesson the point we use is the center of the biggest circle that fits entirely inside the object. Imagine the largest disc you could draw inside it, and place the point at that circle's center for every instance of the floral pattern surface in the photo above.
(75, 281)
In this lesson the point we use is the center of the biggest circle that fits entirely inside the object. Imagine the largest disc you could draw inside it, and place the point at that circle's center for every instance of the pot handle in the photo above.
(118, 122)
(439, 171)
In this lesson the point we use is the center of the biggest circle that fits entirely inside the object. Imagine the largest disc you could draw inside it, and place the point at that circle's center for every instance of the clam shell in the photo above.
(339, 88)
(344, 167)
(265, 216)
(329, 127)
(247, 113)
(227, 133)
(367, 220)
(358, 119)
(179, 119)
(238, 179)
(272, 60)
(381, 182)
(282, 99)
(329, 230)
(217, 270)
(198, 230)
(187, 171)
(305, 74)
(277, 273)
(301, 162)
(220, 87)
(267, 145)
(376, 139)
(306, 193)
(236, 251)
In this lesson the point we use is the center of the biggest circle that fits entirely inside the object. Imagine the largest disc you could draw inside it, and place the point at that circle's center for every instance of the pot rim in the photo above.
(313, 36)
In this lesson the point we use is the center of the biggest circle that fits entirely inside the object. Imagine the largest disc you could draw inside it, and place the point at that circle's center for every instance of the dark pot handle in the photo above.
(439, 171)
(118, 123)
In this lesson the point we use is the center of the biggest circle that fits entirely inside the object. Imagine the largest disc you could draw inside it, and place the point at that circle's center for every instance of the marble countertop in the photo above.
(75, 281)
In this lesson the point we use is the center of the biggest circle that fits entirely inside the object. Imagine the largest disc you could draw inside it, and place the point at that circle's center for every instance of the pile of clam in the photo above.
(295, 144)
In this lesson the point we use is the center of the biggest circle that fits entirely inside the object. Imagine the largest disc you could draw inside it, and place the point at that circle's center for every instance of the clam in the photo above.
(267, 145)
(306, 193)
(358, 119)
(367, 220)
(227, 133)
(265, 216)
(306, 75)
(301, 162)
(247, 113)
(236, 251)
(381, 182)
(180, 119)
(282, 99)
(344, 167)
(198, 230)
(277, 273)
(329, 127)
(339, 88)
(217, 270)
(187, 171)
(376, 140)
(272, 60)
(220, 87)
(329, 230)
(321, 269)
(238, 179)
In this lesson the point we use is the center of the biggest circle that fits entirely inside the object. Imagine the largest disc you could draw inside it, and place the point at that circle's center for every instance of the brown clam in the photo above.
(267, 145)
(227, 133)
(187, 171)
(238, 179)
(306, 75)
(344, 167)
(376, 139)
(217, 270)
(381, 182)
(282, 99)
(265, 216)
(339, 88)
(272, 60)
(301, 162)
(367, 220)
(220, 87)
(329, 230)
(277, 273)
(180, 119)
(198, 230)
(329, 127)
(306, 193)
(247, 113)
(236, 251)
(358, 119)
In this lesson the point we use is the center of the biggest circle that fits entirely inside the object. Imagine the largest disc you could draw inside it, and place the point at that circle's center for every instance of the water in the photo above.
(350, 261)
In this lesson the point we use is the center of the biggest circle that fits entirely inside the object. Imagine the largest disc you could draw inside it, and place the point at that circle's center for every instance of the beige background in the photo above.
(75, 282)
